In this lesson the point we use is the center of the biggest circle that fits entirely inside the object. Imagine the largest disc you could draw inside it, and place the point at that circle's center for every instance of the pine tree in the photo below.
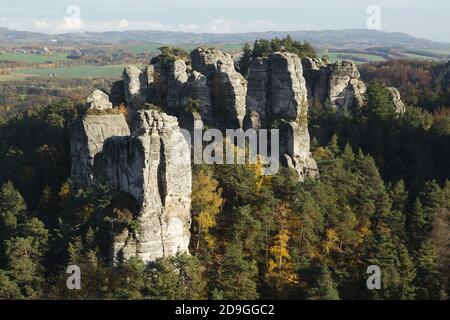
(418, 226)
(238, 276)
(176, 278)
(383, 254)
(407, 270)
(428, 277)
(9, 290)
(24, 262)
(246, 59)
(325, 288)
(12, 209)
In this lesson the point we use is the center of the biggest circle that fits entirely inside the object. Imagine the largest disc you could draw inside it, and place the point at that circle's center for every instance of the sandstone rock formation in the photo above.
(98, 100)
(135, 84)
(397, 100)
(337, 83)
(228, 88)
(152, 165)
(277, 97)
(86, 140)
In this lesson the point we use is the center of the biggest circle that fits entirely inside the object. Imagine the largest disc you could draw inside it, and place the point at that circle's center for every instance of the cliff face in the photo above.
(154, 167)
(277, 96)
(227, 87)
(86, 140)
(336, 83)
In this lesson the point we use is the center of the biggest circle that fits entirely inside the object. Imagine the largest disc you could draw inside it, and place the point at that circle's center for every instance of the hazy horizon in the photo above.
(419, 18)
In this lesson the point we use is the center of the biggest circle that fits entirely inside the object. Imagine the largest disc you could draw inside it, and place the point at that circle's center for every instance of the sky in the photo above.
(421, 18)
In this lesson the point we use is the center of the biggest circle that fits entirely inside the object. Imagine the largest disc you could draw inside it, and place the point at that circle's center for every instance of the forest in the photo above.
(383, 198)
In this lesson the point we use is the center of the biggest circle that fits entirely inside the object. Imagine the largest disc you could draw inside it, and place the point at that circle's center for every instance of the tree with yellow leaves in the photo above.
(206, 204)
(280, 274)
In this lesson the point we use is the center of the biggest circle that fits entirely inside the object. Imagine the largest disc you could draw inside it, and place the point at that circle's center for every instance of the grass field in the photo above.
(32, 58)
(418, 56)
(333, 56)
(440, 51)
(111, 71)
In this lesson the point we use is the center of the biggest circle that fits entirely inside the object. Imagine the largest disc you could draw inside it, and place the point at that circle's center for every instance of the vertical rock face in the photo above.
(288, 95)
(277, 96)
(177, 78)
(397, 100)
(154, 167)
(257, 94)
(199, 89)
(228, 88)
(208, 60)
(169, 83)
(86, 140)
(135, 87)
(338, 83)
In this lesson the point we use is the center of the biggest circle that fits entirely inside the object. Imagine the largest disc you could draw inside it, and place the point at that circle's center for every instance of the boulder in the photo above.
(98, 100)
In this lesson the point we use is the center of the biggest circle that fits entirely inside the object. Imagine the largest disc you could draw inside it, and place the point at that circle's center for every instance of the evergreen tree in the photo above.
(237, 280)
(176, 278)
(325, 288)
(246, 59)
(407, 269)
(418, 226)
(428, 278)
(8, 289)
(12, 209)
(24, 262)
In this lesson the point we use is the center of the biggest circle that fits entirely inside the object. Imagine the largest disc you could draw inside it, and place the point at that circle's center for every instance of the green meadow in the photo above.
(32, 58)
(109, 71)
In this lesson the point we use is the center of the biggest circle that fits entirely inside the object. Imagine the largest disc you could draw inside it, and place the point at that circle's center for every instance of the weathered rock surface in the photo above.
(98, 100)
(337, 83)
(397, 100)
(198, 87)
(154, 167)
(228, 88)
(277, 94)
(257, 94)
(87, 136)
(135, 84)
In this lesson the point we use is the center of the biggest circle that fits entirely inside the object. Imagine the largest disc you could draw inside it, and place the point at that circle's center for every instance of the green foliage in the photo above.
(170, 54)
(262, 48)
(237, 280)
(192, 106)
(176, 278)
(325, 288)
(12, 210)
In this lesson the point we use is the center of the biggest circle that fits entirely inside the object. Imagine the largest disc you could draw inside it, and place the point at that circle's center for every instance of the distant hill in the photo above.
(345, 39)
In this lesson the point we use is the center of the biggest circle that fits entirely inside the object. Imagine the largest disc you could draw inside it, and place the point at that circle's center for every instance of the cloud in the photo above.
(74, 23)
